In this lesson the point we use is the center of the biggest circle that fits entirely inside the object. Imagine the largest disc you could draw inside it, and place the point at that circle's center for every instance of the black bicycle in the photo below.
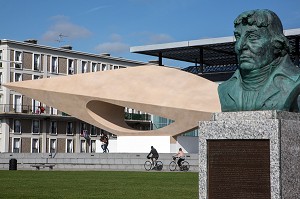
(157, 165)
(185, 166)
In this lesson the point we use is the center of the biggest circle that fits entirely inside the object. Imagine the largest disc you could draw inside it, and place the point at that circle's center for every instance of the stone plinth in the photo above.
(279, 134)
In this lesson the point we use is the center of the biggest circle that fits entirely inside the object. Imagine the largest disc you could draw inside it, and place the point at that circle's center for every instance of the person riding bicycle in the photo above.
(180, 155)
(153, 155)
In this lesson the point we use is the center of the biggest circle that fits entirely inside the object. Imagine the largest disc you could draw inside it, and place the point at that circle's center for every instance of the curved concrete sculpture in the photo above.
(99, 98)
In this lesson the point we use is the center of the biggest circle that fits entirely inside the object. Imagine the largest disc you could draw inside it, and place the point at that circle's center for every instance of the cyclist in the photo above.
(180, 155)
(153, 155)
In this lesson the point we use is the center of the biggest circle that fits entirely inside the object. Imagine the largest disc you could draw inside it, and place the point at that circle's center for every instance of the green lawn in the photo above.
(98, 184)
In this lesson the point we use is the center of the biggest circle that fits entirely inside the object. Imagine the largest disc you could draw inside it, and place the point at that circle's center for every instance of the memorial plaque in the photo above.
(238, 169)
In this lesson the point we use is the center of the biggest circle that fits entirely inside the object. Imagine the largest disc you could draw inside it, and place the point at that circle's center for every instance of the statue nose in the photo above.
(241, 44)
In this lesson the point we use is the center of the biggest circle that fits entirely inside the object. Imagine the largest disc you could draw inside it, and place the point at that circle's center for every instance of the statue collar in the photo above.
(285, 69)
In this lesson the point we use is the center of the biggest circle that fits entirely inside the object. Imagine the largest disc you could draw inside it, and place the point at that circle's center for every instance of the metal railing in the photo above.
(136, 116)
(27, 109)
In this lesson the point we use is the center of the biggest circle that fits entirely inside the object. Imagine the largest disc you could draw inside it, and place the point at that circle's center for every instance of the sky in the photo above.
(113, 26)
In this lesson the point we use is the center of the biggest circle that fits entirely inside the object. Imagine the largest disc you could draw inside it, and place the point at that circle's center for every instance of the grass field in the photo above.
(98, 184)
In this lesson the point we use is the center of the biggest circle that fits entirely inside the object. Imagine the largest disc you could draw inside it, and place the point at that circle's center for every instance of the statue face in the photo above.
(253, 47)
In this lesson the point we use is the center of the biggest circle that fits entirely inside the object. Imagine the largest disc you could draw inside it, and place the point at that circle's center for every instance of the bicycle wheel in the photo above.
(185, 166)
(172, 166)
(148, 165)
(159, 165)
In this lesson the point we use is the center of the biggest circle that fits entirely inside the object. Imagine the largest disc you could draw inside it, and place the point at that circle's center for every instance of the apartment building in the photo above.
(29, 126)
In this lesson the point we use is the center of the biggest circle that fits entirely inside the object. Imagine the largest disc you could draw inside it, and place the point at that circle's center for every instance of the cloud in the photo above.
(145, 38)
(95, 9)
(112, 47)
(160, 38)
(62, 26)
(115, 45)
(115, 37)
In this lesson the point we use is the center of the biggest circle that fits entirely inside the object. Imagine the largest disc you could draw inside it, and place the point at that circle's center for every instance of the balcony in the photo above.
(136, 116)
(138, 121)
(26, 109)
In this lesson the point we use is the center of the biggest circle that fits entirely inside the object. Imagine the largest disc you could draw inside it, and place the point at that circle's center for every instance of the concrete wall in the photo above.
(188, 144)
(90, 161)
(142, 144)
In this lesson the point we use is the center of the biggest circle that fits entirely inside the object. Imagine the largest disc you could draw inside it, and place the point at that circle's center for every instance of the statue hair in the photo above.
(268, 19)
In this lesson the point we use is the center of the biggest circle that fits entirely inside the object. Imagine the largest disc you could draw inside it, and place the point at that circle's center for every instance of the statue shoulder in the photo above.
(289, 69)
(228, 84)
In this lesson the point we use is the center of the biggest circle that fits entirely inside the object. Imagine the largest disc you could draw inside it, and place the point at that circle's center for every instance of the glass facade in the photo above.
(160, 122)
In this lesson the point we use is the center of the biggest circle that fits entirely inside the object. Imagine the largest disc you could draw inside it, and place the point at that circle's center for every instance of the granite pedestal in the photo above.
(250, 154)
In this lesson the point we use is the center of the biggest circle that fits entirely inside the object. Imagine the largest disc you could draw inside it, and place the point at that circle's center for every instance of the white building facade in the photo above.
(27, 125)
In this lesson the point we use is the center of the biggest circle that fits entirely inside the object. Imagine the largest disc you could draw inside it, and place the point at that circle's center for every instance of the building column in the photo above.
(201, 60)
(160, 59)
(44, 137)
(77, 138)
(6, 79)
(5, 135)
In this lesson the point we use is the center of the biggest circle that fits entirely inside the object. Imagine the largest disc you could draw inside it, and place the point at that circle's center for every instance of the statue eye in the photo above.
(237, 36)
(253, 36)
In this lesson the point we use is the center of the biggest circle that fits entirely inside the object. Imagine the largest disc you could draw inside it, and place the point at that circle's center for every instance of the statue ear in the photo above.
(279, 47)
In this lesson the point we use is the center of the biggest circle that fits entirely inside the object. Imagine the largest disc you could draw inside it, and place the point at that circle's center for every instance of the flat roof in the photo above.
(211, 52)
(61, 49)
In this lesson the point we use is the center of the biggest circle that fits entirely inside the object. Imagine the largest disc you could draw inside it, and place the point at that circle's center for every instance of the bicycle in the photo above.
(157, 165)
(185, 166)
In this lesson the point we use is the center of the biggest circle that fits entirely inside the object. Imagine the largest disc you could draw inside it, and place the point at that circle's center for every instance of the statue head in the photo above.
(267, 79)
(259, 40)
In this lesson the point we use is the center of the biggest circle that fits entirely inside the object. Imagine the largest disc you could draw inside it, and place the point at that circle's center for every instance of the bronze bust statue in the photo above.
(266, 79)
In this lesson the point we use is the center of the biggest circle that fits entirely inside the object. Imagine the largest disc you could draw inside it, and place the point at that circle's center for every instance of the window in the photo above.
(69, 146)
(0, 58)
(3, 107)
(82, 146)
(93, 131)
(104, 67)
(53, 127)
(54, 65)
(70, 128)
(35, 126)
(53, 111)
(1, 79)
(18, 103)
(35, 106)
(17, 126)
(18, 77)
(52, 144)
(93, 146)
(18, 59)
(36, 61)
(16, 145)
(94, 67)
(116, 67)
(83, 127)
(83, 67)
(35, 77)
(35, 145)
(71, 67)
